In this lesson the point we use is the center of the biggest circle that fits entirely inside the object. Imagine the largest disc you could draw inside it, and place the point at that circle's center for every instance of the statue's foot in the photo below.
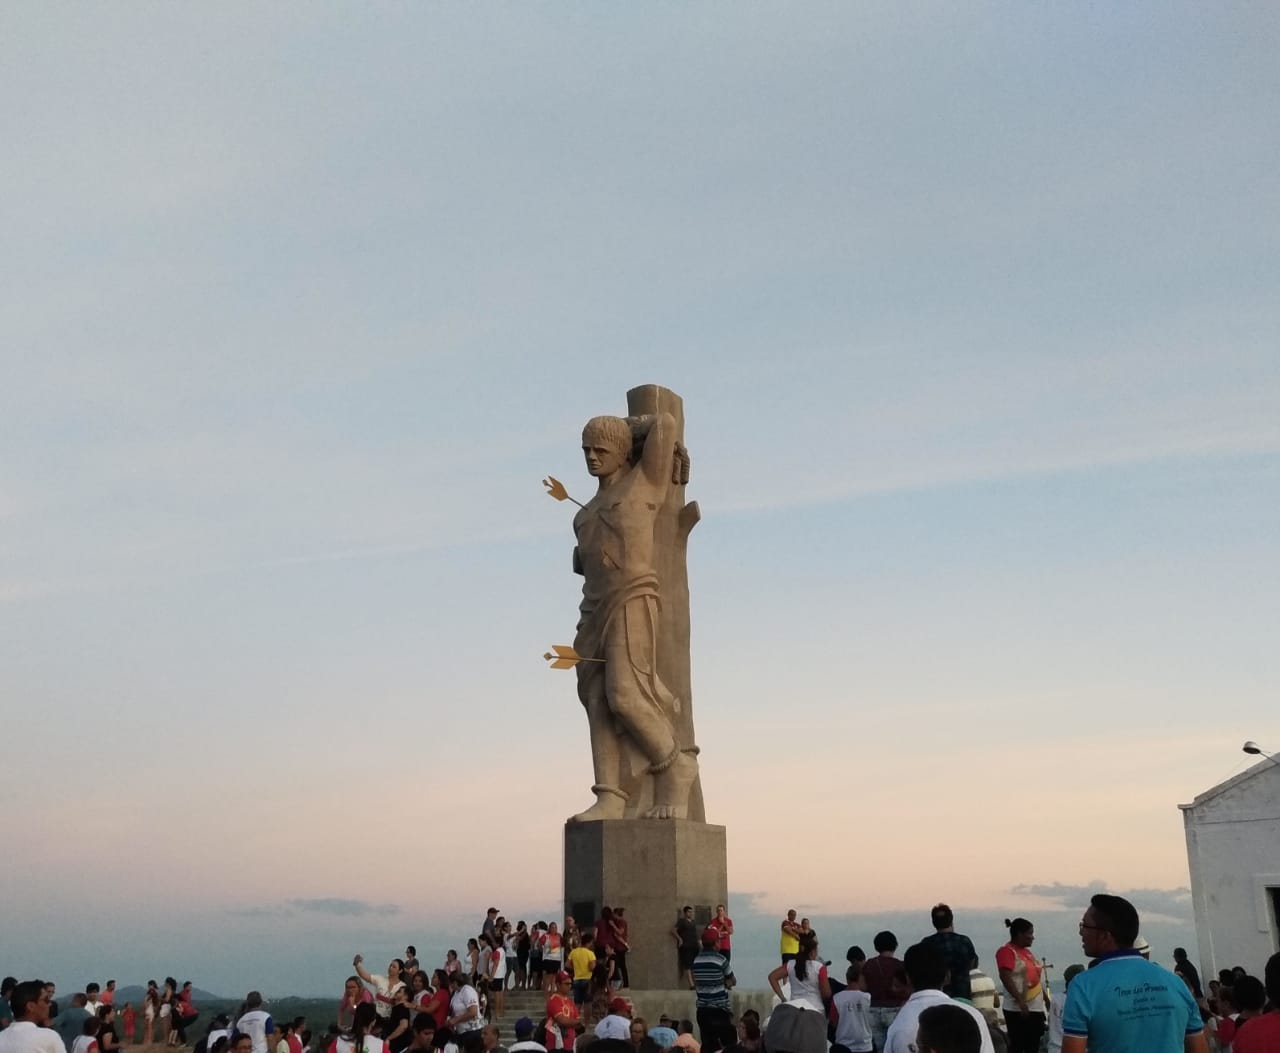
(607, 806)
(671, 789)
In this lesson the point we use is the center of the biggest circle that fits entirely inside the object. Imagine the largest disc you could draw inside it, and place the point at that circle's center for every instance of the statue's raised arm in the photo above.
(658, 453)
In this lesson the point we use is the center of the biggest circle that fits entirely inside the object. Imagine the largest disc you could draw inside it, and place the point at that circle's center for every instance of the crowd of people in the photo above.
(934, 999)
(1120, 1002)
(31, 1021)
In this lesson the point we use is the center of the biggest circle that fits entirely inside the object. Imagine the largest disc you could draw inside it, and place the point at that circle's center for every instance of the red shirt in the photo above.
(440, 1012)
(1258, 1035)
(604, 934)
(721, 927)
(560, 1005)
(880, 972)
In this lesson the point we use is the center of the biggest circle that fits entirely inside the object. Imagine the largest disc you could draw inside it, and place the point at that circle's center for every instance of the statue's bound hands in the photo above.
(680, 466)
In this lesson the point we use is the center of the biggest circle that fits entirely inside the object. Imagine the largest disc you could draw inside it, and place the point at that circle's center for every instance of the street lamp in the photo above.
(1253, 749)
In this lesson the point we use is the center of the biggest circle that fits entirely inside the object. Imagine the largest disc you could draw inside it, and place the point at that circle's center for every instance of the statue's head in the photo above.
(606, 445)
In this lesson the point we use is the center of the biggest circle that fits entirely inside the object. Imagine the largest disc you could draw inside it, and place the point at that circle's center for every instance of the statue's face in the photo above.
(602, 460)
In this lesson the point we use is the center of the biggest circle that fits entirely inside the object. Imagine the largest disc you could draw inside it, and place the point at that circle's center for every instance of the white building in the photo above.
(1233, 853)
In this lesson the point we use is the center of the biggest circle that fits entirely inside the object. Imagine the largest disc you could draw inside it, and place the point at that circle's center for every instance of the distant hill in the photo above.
(136, 992)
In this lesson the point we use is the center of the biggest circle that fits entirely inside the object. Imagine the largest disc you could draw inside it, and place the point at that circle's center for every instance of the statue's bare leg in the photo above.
(638, 701)
(611, 799)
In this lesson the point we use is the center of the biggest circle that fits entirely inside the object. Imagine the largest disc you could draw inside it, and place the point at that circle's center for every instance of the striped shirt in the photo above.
(710, 971)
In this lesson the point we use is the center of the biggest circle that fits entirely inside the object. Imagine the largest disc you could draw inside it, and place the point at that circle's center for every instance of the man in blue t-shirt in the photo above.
(1124, 1003)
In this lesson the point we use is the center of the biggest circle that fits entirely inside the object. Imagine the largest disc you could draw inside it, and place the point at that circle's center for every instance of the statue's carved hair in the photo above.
(611, 432)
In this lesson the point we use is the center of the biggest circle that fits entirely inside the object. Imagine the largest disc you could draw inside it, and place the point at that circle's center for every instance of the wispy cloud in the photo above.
(1170, 903)
(345, 908)
(334, 906)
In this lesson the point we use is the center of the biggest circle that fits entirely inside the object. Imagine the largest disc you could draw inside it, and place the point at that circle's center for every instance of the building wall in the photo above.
(1233, 853)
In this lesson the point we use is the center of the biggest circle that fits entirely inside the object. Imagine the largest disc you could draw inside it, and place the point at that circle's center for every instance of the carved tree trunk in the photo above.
(674, 522)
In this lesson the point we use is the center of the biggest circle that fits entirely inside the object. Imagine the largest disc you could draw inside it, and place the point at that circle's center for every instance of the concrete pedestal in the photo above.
(652, 867)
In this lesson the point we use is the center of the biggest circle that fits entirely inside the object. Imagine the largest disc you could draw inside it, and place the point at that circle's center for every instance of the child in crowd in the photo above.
(852, 1009)
(87, 1042)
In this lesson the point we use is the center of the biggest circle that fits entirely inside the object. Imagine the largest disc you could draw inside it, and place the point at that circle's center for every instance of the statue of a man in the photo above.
(625, 699)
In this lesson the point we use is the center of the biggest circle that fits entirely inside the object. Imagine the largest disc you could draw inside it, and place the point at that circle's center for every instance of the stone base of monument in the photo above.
(653, 868)
(679, 1005)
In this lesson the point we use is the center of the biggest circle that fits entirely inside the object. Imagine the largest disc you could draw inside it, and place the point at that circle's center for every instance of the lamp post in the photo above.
(1253, 749)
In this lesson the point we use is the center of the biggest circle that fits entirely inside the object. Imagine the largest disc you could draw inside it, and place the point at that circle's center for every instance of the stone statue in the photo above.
(631, 541)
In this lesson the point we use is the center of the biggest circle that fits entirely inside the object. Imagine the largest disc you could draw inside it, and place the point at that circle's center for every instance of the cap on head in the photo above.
(563, 977)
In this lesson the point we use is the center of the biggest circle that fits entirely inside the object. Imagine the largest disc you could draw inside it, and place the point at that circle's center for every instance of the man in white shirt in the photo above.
(256, 1024)
(618, 1023)
(30, 1031)
(91, 1000)
(926, 973)
(524, 1042)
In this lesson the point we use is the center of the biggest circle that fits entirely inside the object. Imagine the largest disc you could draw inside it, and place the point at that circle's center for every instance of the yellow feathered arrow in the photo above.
(565, 657)
(555, 488)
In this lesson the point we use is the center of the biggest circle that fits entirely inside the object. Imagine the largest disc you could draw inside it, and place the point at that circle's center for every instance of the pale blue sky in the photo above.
(974, 310)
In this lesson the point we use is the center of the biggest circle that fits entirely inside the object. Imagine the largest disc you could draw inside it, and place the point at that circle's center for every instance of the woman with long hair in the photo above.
(419, 989)
(168, 995)
(495, 972)
(750, 1040)
(360, 1038)
(108, 1040)
(640, 1040)
(472, 963)
(1020, 973)
(537, 940)
(620, 946)
(384, 987)
(799, 1025)
(552, 957)
(524, 944)
(437, 1003)
(510, 953)
(150, 1010)
(604, 932)
(599, 995)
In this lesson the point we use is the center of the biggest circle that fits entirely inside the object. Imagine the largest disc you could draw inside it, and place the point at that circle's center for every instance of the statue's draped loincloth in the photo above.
(624, 621)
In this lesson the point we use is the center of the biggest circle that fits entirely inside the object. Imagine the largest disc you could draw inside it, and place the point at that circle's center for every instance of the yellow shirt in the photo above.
(788, 944)
(583, 961)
